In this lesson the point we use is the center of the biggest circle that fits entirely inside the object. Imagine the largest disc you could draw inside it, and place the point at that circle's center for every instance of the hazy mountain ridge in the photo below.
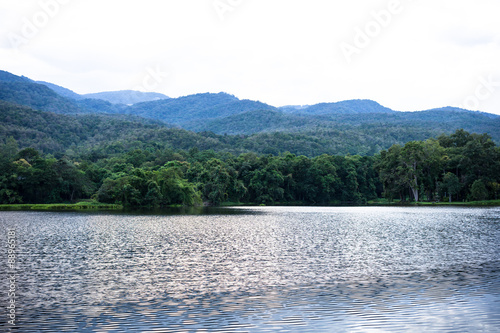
(345, 107)
(37, 96)
(64, 92)
(356, 126)
(9, 77)
(195, 107)
(427, 123)
(101, 135)
(127, 97)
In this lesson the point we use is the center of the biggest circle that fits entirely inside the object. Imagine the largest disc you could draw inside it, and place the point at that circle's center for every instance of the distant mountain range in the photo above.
(346, 107)
(126, 97)
(355, 123)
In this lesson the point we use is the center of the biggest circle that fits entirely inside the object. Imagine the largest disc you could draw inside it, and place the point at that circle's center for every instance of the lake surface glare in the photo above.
(258, 269)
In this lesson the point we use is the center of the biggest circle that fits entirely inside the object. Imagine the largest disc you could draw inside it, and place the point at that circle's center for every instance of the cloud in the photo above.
(467, 37)
(430, 54)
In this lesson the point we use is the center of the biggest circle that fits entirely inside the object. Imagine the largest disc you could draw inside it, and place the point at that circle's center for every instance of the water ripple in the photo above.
(259, 269)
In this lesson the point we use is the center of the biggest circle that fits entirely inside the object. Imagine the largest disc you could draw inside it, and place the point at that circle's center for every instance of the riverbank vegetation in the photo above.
(461, 167)
(80, 206)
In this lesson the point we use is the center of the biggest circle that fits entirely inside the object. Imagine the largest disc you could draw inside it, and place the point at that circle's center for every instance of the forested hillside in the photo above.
(345, 107)
(65, 134)
(195, 107)
(37, 96)
(381, 129)
(459, 167)
(356, 127)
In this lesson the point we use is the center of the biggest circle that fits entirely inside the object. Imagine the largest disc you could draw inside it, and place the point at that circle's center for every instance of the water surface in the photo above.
(299, 269)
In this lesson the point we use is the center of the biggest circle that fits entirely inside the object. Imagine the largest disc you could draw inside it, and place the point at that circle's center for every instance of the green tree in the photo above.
(387, 166)
(266, 185)
(173, 188)
(410, 169)
(478, 191)
(451, 184)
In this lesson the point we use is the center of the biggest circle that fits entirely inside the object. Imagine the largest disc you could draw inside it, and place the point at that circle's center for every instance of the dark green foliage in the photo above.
(458, 165)
(37, 96)
(451, 184)
(478, 191)
(468, 167)
(141, 187)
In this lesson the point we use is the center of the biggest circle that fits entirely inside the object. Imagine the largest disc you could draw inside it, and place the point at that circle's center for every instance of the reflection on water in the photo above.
(259, 269)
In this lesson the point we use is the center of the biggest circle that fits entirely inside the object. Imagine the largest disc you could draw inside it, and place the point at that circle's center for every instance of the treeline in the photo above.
(465, 166)
(156, 178)
(461, 166)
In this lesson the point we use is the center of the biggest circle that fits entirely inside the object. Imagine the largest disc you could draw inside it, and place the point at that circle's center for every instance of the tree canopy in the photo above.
(461, 166)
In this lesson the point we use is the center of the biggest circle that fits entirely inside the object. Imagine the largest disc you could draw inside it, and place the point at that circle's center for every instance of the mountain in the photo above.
(104, 135)
(64, 92)
(345, 107)
(293, 108)
(100, 106)
(9, 77)
(223, 122)
(195, 107)
(98, 135)
(50, 97)
(36, 96)
(127, 97)
(385, 125)
(249, 122)
(84, 133)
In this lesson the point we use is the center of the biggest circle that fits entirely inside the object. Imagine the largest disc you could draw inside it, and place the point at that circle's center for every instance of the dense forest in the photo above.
(461, 166)
(58, 146)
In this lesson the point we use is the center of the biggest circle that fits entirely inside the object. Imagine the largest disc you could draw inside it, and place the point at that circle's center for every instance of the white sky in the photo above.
(424, 54)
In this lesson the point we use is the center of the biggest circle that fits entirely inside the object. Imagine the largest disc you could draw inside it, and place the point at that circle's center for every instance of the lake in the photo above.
(255, 269)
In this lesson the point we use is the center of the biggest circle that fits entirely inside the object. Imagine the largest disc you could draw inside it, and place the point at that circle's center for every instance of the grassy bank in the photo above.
(486, 203)
(94, 206)
(376, 202)
(80, 206)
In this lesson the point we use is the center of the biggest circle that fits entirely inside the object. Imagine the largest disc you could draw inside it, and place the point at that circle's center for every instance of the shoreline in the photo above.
(82, 206)
(85, 206)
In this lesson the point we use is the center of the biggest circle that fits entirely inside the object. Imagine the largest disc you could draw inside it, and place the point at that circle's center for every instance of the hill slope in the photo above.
(356, 106)
(9, 77)
(355, 127)
(421, 124)
(37, 96)
(56, 133)
(64, 92)
(195, 107)
(127, 97)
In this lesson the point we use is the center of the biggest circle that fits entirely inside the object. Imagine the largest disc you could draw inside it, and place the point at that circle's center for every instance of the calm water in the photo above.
(257, 270)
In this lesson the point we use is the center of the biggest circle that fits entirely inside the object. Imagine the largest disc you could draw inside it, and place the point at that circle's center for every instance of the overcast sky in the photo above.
(406, 55)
